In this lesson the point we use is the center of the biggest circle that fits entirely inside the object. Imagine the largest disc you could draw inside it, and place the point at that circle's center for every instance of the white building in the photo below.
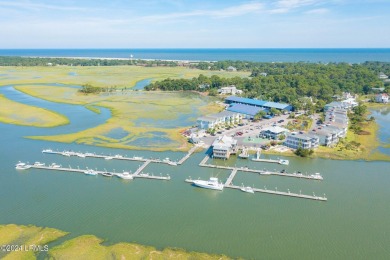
(383, 75)
(304, 141)
(219, 119)
(273, 132)
(223, 146)
(231, 90)
(382, 98)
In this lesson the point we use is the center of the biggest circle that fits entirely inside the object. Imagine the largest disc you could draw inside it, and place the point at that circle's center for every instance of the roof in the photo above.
(206, 119)
(245, 109)
(224, 141)
(275, 129)
(248, 101)
(223, 114)
(306, 137)
(276, 105)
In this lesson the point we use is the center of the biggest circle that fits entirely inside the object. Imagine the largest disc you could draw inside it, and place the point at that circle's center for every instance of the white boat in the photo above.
(65, 154)
(47, 151)
(210, 184)
(90, 172)
(53, 165)
(89, 154)
(265, 173)
(257, 158)
(80, 155)
(172, 163)
(39, 164)
(247, 189)
(166, 160)
(22, 166)
(125, 176)
(108, 158)
(244, 153)
(137, 158)
(284, 162)
(118, 156)
(107, 174)
(316, 176)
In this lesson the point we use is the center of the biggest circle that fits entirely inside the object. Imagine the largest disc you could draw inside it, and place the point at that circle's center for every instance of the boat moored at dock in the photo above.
(90, 172)
(212, 183)
(247, 189)
(39, 164)
(125, 176)
(22, 166)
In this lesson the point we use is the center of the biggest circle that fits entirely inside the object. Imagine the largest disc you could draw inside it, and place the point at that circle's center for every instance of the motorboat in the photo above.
(316, 176)
(137, 158)
(244, 154)
(265, 173)
(80, 155)
(89, 154)
(54, 165)
(48, 151)
(90, 172)
(39, 164)
(212, 183)
(118, 156)
(22, 166)
(107, 174)
(172, 163)
(65, 154)
(125, 175)
(247, 189)
(108, 158)
(284, 162)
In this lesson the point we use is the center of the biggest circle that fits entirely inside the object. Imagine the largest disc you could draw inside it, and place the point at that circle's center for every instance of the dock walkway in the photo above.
(230, 178)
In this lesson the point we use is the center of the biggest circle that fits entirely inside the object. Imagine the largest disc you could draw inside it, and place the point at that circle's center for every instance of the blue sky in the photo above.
(194, 24)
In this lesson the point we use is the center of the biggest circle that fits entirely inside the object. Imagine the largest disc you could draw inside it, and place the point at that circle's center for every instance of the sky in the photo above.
(194, 24)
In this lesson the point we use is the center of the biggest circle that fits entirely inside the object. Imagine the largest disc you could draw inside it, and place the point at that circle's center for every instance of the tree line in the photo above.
(288, 82)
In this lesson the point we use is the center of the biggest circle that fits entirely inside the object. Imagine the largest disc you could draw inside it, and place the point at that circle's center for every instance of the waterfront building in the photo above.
(219, 119)
(223, 146)
(246, 111)
(382, 98)
(305, 141)
(327, 136)
(258, 103)
(231, 90)
(273, 132)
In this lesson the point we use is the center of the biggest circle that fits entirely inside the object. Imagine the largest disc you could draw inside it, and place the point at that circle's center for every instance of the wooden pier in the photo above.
(139, 170)
(231, 177)
(190, 152)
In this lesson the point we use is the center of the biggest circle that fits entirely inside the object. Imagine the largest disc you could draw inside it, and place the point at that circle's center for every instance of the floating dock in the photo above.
(262, 172)
(70, 169)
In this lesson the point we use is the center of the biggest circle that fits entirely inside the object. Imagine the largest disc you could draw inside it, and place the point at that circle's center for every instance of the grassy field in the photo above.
(83, 247)
(90, 247)
(20, 114)
(141, 117)
(26, 235)
(120, 76)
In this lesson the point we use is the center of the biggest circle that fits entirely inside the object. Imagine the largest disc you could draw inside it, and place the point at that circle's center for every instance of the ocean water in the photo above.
(259, 55)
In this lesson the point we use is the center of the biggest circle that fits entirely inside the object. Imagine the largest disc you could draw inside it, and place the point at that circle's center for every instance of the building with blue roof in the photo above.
(258, 103)
(246, 111)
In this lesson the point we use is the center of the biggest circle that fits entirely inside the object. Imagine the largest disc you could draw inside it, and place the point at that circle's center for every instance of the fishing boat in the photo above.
(125, 175)
(247, 189)
(90, 172)
(54, 165)
(316, 176)
(107, 174)
(244, 153)
(22, 166)
(212, 183)
(39, 164)
(284, 162)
